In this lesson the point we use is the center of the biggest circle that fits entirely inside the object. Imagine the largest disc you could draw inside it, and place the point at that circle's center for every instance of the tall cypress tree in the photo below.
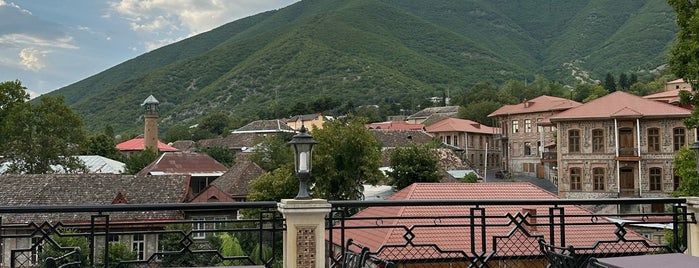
(609, 83)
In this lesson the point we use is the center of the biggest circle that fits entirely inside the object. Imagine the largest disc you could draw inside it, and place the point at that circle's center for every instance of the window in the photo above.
(653, 140)
(527, 125)
(199, 226)
(678, 138)
(598, 179)
(574, 141)
(138, 245)
(527, 148)
(575, 179)
(597, 140)
(676, 182)
(655, 178)
(515, 126)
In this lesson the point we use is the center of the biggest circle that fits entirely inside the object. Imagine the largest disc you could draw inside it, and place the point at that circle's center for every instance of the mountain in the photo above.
(368, 51)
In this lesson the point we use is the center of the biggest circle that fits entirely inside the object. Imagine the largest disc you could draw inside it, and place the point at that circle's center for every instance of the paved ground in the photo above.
(543, 183)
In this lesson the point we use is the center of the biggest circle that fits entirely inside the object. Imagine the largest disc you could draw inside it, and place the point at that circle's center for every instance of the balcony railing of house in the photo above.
(495, 233)
(428, 233)
(628, 152)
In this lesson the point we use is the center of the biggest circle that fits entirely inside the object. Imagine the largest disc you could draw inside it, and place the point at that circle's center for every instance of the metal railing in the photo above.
(198, 235)
(498, 233)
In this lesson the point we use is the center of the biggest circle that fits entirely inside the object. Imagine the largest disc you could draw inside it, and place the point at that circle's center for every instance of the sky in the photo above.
(48, 44)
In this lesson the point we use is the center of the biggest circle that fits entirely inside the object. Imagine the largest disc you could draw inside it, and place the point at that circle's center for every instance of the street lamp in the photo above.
(303, 147)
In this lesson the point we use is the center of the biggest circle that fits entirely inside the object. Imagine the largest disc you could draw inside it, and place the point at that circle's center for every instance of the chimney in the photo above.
(150, 131)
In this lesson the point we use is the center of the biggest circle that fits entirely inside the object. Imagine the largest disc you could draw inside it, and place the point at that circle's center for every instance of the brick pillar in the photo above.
(304, 239)
(693, 228)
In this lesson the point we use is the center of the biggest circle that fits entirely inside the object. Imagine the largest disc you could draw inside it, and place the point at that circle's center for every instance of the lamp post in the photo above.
(303, 148)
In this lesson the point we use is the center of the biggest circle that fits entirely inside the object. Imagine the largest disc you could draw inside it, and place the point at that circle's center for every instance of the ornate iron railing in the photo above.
(153, 235)
(498, 233)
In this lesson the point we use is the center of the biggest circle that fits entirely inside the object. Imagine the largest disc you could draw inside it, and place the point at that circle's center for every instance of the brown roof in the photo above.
(236, 181)
(461, 125)
(185, 145)
(392, 241)
(90, 189)
(620, 104)
(427, 112)
(397, 125)
(304, 117)
(536, 105)
(389, 138)
(233, 141)
(184, 163)
(265, 126)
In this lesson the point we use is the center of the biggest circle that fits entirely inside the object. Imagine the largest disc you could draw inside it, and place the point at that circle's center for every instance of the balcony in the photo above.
(548, 157)
(628, 154)
(430, 233)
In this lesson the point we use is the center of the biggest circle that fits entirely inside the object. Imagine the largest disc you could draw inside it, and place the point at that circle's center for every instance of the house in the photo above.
(73, 190)
(395, 125)
(678, 84)
(670, 96)
(201, 168)
(620, 145)
(431, 115)
(246, 137)
(236, 181)
(485, 235)
(308, 120)
(266, 126)
(93, 163)
(527, 134)
(474, 140)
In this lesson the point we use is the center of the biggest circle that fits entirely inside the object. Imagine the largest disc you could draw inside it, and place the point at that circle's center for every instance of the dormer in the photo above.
(120, 199)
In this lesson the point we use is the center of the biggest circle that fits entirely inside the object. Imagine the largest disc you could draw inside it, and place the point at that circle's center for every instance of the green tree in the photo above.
(624, 83)
(42, 135)
(137, 161)
(684, 55)
(597, 91)
(101, 144)
(223, 155)
(63, 243)
(686, 169)
(609, 83)
(12, 93)
(273, 152)
(413, 164)
(117, 253)
(275, 186)
(176, 133)
(479, 111)
(469, 178)
(215, 123)
(633, 79)
(346, 157)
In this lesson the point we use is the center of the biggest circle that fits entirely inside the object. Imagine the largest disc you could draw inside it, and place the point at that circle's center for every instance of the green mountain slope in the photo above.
(366, 51)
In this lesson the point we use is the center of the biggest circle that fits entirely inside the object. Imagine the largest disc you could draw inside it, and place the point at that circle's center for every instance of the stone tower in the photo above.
(150, 132)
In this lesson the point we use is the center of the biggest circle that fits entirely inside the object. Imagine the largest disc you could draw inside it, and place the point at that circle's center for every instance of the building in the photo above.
(620, 145)
(308, 120)
(432, 115)
(201, 168)
(488, 235)
(526, 134)
(475, 141)
(395, 125)
(135, 145)
(678, 84)
(150, 133)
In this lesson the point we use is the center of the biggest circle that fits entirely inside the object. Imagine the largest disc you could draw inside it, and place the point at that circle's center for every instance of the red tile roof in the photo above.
(620, 104)
(184, 163)
(136, 144)
(539, 104)
(461, 125)
(397, 125)
(389, 238)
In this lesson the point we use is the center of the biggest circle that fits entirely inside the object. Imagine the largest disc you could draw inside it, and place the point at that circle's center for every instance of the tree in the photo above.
(223, 155)
(684, 55)
(479, 111)
(346, 157)
(176, 133)
(413, 164)
(214, 123)
(101, 144)
(633, 79)
(273, 152)
(686, 169)
(137, 161)
(38, 136)
(276, 185)
(609, 83)
(624, 83)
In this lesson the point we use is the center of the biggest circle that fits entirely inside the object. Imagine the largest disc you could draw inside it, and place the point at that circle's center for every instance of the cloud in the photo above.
(176, 19)
(20, 28)
(33, 59)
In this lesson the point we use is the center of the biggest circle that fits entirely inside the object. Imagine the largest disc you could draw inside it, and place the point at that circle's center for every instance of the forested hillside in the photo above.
(375, 51)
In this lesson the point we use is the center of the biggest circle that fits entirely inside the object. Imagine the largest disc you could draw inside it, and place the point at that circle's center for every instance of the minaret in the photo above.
(150, 132)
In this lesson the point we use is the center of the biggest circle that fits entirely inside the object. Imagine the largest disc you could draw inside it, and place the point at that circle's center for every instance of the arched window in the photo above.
(597, 140)
(574, 141)
(598, 179)
(575, 179)
(655, 179)
(653, 140)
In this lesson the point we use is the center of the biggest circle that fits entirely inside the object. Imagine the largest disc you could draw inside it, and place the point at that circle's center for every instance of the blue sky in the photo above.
(48, 44)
